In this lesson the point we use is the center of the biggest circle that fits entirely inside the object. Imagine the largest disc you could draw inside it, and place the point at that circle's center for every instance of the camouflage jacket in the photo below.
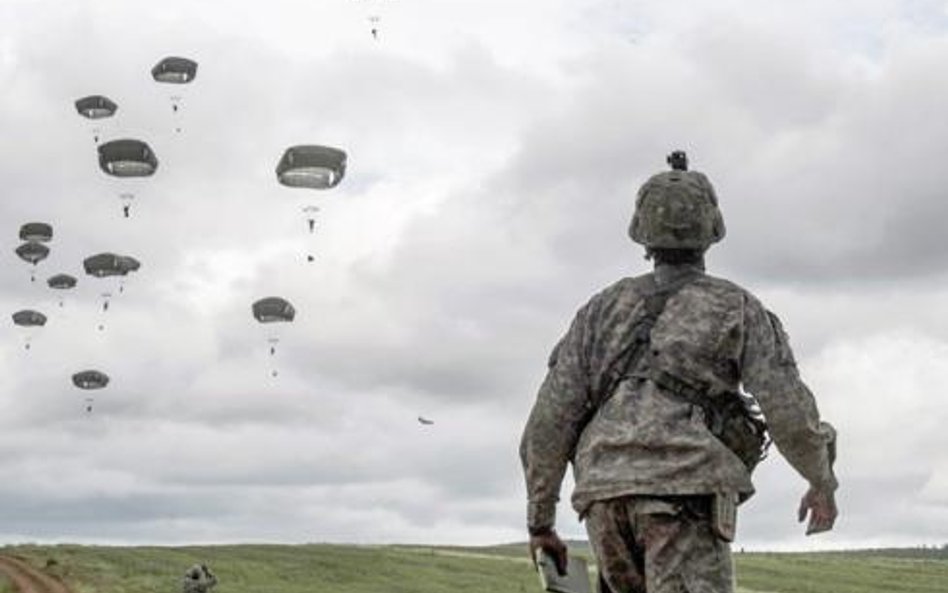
(644, 440)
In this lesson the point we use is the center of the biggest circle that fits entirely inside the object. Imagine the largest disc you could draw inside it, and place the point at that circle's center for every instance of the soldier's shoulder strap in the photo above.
(654, 300)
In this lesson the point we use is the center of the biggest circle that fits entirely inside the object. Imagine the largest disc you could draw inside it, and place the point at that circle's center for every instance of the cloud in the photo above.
(494, 156)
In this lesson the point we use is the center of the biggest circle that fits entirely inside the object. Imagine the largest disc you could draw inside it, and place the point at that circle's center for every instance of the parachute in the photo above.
(36, 232)
(90, 379)
(174, 70)
(273, 310)
(61, 282)
(103, 265)
(127, 158)
(32, 252)
(423, 420)
(316, 167)
(110, 264)
(29, 319)
(96, 107)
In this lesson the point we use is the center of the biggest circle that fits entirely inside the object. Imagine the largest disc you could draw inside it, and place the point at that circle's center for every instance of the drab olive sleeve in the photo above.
(555, 422)
(769, 372)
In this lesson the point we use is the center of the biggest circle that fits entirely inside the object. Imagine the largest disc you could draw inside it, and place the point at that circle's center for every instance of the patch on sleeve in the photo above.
(782, 341)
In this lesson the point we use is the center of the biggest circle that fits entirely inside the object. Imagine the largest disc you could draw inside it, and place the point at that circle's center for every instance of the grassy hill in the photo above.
(327, 568)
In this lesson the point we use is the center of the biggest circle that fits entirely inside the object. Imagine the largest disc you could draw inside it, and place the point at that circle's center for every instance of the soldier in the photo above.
(198, 579)
(642, 397)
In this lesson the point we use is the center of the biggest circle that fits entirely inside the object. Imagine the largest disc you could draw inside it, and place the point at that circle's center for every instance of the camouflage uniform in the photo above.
(198, 579)
(664, 542)
(645, 462)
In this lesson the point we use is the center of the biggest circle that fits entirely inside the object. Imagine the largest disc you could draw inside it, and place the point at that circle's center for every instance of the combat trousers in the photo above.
(659, 545)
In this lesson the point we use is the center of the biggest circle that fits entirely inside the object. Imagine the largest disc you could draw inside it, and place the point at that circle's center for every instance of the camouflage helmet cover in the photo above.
(677, 210)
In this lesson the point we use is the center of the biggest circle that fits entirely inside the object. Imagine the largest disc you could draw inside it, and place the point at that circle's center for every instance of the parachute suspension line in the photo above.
(374, 20)
(310, 213)
(175, 110)
(126, 199)
(105, 309)
(273, 342)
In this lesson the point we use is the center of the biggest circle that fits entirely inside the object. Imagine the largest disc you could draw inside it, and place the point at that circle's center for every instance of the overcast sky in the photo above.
(495, 148)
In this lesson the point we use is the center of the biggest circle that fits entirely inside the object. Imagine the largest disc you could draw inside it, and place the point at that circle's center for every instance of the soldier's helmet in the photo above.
(677, 209)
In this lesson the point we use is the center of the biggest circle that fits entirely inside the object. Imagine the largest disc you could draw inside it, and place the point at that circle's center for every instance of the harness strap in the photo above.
(629, 357)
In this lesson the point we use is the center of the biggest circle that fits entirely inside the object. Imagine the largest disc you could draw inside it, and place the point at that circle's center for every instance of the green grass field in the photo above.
(420, 569)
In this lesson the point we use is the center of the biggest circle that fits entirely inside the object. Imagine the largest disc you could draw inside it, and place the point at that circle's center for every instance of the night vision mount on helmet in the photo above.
(677, 209)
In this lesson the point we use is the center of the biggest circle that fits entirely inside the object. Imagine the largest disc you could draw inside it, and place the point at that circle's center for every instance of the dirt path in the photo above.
(27, 579)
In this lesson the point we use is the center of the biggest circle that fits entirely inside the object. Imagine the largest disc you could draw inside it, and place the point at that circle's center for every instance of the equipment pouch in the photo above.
(724, 515)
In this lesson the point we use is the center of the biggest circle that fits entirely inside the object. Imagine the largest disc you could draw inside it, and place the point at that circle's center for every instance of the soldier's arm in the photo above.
(555, 423)
(769, 372)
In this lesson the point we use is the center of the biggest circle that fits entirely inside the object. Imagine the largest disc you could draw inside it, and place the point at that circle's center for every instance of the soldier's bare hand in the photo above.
(820, 505)
(550, 543)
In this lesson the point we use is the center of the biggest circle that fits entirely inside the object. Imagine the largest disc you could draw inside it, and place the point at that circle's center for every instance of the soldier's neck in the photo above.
(666, 272)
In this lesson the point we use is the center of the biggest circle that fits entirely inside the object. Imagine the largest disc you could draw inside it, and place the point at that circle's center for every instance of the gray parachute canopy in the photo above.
(36, 231)
(29, 318)
(90, 379)
(127, 158)
(317, 167)
(109, 264)
(96, 107)
(32, 252)
(61, 281)
(174, 70)
(272, 309)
